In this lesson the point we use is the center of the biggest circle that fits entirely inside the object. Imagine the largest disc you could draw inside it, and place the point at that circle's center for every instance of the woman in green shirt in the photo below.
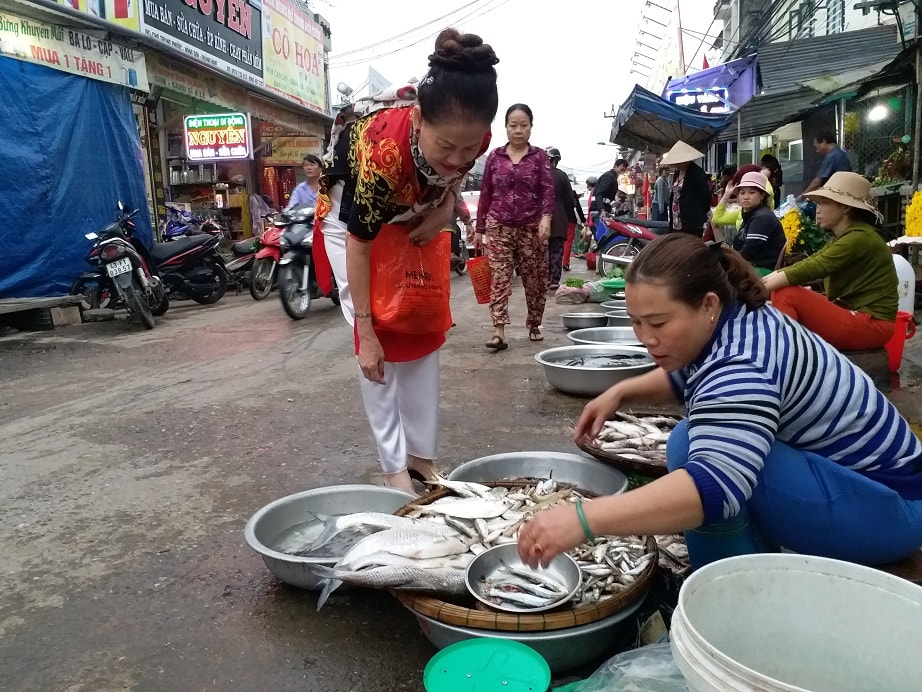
(856, 266)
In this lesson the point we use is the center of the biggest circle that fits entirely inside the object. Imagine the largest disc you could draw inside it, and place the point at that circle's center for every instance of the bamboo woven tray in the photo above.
(460, 615)
(654, 468)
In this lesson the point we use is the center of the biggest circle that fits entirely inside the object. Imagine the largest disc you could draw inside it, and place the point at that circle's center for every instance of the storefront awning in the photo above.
(649, 123)
(795, 76)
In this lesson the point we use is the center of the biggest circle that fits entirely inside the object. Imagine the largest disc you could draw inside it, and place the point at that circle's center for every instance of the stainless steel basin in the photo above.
(586, 380)
(265, 528)
(618, 318)
(583, 472)
(605, 335)
(583, 320)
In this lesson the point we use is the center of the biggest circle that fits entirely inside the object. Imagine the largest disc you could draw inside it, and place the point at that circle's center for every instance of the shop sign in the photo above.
(71, 51)
(123, 13)
(290, 150)
(294, 58)
(225, 34)
(217, 137)
(703, 99)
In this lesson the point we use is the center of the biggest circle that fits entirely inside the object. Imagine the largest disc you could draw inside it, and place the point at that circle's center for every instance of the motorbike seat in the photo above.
(244, 247)
(646, 223)
(164, 251)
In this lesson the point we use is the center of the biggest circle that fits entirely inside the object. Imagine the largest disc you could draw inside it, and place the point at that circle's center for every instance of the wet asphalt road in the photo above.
(131, 460)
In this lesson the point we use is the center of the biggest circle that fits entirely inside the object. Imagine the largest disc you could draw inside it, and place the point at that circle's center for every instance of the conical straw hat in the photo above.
(681, 153)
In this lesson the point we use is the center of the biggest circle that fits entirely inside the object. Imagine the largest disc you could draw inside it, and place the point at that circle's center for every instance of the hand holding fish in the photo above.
(653, 387)
(596, 413)
(549, 533)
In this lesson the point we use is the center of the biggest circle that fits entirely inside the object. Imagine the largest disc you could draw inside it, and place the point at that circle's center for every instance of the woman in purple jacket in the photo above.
(515, 208)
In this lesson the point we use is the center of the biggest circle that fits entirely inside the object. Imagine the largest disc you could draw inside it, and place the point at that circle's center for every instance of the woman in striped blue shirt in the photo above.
(786, 442)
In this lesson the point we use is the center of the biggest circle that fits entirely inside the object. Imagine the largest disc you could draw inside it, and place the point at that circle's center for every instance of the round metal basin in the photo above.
(614, 304)
(605, 335)
(583, 472)
(618, 318)
(270, 524)
(586, 380)
(562, 649)
(584, 320)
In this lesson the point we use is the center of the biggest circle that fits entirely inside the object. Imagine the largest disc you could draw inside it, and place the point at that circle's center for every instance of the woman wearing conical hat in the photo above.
(856, 267)
(690, 201)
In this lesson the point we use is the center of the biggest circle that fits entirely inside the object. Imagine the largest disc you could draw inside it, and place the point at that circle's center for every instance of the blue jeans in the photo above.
(808, 504)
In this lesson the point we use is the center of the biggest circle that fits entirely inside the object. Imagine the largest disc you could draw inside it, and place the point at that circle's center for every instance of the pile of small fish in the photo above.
(637, 438)
(430, 548)
(523, 588)
(673, 553)
(602, 361)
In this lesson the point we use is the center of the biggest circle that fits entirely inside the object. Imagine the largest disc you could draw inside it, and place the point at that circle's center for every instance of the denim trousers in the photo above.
(808, 504)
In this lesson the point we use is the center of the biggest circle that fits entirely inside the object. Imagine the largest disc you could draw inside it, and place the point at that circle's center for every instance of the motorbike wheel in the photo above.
(219, 282)
(622, 249)
(460, 266)
(137, 305)
(88, 292)
(261, 277)
(296, 303)
(162, 307)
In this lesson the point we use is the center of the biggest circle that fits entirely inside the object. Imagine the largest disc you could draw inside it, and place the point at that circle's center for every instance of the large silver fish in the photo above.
(374, 521)
(408, 543)
(430, 578)
(466, 508)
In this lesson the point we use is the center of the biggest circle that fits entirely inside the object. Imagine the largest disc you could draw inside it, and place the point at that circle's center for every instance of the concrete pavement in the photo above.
(131, 460)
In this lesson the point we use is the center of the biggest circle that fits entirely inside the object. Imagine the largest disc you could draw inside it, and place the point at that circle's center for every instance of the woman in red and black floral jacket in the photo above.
(515, 209)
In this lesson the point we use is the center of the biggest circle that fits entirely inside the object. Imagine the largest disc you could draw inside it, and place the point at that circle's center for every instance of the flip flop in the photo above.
(497, 344)
(535, 335)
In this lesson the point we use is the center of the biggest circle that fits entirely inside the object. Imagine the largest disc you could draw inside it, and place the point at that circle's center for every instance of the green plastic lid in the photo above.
(487, 665)
(612, 283)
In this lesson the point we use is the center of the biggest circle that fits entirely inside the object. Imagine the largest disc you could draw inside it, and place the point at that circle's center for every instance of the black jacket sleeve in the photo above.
(606, 189)
(695, 202)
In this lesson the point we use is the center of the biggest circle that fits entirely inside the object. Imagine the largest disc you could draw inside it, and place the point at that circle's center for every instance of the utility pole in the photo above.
(678, 11)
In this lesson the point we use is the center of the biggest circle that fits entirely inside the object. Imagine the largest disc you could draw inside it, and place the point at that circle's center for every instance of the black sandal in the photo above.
(497, 344)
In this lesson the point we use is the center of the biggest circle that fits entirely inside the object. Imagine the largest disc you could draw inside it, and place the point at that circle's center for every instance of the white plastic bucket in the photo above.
(790, 623)
(906, 284)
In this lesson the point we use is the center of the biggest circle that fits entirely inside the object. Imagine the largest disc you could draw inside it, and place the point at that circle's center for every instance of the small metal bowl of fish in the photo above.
(499, 579)
(605, 335)
(588, 370)
(584, 320)
(284, 531)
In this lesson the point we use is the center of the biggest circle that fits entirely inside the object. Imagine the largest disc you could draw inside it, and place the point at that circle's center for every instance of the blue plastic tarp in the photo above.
(70, 152)
(649, 123)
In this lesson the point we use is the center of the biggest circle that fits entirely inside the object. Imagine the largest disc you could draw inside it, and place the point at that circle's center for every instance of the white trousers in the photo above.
(404, 412)
(334, 240)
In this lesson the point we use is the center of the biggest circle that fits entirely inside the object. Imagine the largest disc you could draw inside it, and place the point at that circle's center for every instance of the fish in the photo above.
(408, 543)
(383, 559)
(534, 576)
(525, 600)
(445, 580)
(465, 488)
(466, 508)
(375, 521)
(636, 438)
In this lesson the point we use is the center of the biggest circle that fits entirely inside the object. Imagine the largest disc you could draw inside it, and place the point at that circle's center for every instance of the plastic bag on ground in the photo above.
(647, 669)
(572, 295)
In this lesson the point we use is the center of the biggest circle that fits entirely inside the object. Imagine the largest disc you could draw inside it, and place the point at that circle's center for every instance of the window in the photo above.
(835, 16)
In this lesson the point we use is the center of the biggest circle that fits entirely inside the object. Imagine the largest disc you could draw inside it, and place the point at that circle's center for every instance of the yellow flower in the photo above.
(914, 215)
(792, 225)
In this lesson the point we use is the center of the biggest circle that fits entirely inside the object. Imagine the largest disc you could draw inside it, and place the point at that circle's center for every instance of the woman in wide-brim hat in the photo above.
(856, 266)
(690, 200)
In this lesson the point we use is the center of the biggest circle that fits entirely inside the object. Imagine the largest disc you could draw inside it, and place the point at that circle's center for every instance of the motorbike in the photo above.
(620, 239)
(266, 262)
(126, 270)
(459, 250)
(192, 269)
(297, 283)
(240, 266)
(178, 224)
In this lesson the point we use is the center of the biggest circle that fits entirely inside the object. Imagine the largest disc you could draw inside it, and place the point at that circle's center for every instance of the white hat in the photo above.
(681, 153)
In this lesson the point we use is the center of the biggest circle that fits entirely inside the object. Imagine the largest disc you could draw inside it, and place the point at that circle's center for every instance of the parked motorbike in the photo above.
(125, 269)
(297, 282)
(240, 267)
(620, 239)
(265, 265)
(178, 223)
(459, 251)
(192, 268)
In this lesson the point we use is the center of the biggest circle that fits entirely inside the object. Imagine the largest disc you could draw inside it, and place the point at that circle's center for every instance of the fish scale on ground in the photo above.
(440, 538)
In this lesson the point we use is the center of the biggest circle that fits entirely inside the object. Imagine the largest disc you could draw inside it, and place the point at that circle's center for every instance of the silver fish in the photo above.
(412, 544)
(465, 488)
(384, 559)
(439, 579)
(536, 577)
(375, 521)
(467, 508)
(518, 598)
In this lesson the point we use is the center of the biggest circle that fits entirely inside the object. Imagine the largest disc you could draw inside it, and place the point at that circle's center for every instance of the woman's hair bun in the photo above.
(457, 51)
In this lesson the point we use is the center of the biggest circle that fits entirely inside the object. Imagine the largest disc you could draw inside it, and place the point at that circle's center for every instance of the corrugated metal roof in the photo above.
(785, 68)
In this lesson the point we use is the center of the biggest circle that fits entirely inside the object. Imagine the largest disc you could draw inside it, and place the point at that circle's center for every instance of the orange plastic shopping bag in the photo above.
(410, 285)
